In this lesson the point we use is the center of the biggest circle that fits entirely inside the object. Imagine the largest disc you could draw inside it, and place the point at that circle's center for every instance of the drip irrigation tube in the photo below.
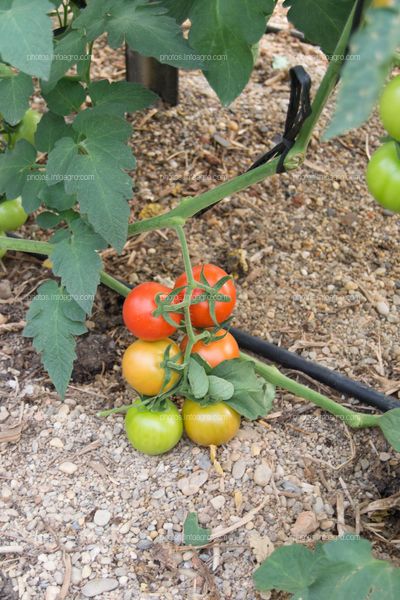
(331, 378)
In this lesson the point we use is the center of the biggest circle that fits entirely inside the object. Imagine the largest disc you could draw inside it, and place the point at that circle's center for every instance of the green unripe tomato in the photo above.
(383, 176)
(389, 108)
(12, 215)
(2, 251)
(27, 128)
(153, 432)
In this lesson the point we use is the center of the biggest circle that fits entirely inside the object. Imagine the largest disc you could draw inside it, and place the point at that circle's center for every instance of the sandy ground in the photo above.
(316, 263)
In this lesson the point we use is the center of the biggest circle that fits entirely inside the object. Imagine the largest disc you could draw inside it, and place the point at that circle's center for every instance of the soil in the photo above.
(314, 258)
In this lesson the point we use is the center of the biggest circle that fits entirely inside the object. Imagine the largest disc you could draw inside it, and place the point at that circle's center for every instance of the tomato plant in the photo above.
(215, 424)
(153, 431)
(12, 215)
(201, 312)
(144, 369)
(138, 312)
(215, 351)
(389, 108)
(383, 176)
(2, 251)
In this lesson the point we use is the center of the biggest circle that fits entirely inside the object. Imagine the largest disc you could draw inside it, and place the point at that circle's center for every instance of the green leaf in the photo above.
(198, 379)
(51, 128)
(94, 171)
(66, 97)
(14, 97)
(48, 220)
(226, 30)
(321, 21)
(343, 568)
(363, 79)
(389, 423)
(288, 568)
(55, 197)
(76, 261)
(53, 319)
(220, 390)
(252, 397)
(68, 51)
(193, 534)
(16, 169)
(146, 27)
(121, 96)
(31, 194)
(26, 39)
(179, 9)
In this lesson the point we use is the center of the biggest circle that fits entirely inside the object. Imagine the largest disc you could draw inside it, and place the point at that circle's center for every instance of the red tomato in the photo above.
(215, 352)
(138, 309)
(200, 313)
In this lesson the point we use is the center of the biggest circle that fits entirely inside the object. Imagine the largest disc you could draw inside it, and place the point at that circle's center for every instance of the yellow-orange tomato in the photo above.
(216, 352)
(215, 424)
(142, 366)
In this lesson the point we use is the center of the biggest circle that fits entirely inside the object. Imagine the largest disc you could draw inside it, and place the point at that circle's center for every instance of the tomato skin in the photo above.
(141, 366)
(215, 352)
(137, 312)
(215, 424)
(389, 108)
(383, 176)
(12, 215)
(27, 128)
(200, 313)
(153, 432)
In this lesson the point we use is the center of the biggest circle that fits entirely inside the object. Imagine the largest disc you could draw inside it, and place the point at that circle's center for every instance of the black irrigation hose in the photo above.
(333, 379)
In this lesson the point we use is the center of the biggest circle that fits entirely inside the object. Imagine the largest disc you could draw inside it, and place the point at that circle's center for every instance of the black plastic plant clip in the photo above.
(298, 110)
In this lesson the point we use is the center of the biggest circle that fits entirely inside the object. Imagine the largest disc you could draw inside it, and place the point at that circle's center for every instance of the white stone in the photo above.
(56, 443)
(218, 502)
(382, 308)
(52, 592)
(68, 467)
(102, 517)
(262, 474)
(191, 485)
(99, 586)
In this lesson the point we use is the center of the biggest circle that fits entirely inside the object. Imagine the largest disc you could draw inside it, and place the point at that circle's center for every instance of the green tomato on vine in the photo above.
(389, 108)
(383, 176)
(2, 250)
(27, 128)
(12, 214)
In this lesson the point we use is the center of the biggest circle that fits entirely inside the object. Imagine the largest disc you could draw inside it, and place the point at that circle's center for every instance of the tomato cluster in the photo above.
(153, 364)
(383, 171)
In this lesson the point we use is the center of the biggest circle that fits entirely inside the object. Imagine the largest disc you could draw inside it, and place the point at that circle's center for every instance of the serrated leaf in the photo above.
(179, 9)
(321, 21)
(220, 389)
(51, 128)
(363, 79)
(31, 194)
(26, 39)
(16, 169)
(14, 97)
(389, 423)
(68, 51)
(65, 97)
(97, 175)
(198, 379)
(55, 197)
(343, 568)
(47, 220)
(146, 27)
(193, 534)
(76, 261)
(53, 320)
(226, 30)
(121, 96)
(252, 397)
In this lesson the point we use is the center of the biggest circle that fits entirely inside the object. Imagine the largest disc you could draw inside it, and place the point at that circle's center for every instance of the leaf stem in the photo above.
(114, 284)
(20, 245)
(350, 417)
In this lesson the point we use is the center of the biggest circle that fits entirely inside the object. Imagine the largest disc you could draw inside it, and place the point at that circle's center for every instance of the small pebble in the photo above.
(239, 468)
(262, 474)
(218, 502)
(52, 592)
(99, 586)
(384, 456)
(101, 517)
(56, 443)
(382, 308)
(68, 467)
(5, 289)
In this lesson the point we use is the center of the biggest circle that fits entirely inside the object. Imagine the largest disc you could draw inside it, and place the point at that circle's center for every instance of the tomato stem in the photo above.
(350, 417)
